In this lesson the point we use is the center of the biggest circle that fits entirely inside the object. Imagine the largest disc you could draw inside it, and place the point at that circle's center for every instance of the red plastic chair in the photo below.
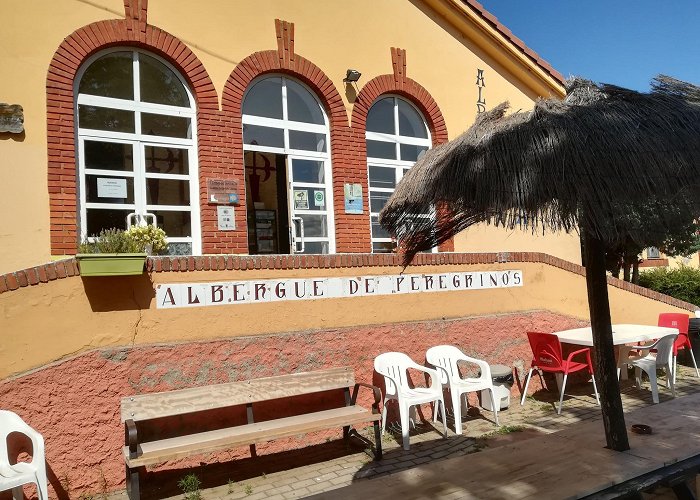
(547, 357)
(680, 321)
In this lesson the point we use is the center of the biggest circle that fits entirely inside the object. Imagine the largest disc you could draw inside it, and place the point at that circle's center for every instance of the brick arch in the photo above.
(345, 160)
(67, 59)
(399, 84)
(404, 87)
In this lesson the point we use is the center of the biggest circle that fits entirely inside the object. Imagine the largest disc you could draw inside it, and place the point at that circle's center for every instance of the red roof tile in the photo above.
(493, 21)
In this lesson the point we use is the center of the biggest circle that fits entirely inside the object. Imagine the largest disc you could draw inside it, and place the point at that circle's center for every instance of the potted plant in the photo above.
(115, 252)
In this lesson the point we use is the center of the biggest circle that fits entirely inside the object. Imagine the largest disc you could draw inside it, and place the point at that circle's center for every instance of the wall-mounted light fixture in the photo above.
(352, 76)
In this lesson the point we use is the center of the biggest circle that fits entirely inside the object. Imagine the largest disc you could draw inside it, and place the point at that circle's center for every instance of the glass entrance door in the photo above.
(310, 211)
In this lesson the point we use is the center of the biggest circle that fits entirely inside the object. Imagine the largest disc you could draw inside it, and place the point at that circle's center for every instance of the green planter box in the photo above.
(111, 264)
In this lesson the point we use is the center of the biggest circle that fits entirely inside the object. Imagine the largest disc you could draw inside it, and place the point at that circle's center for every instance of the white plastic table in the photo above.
(622, 334)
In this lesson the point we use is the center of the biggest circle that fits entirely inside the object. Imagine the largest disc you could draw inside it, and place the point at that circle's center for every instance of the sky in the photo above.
(623, 42)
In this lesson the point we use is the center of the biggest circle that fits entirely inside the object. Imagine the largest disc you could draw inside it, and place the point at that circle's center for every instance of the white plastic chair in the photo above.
(14, 476)
(393, 366)
(652, 361)
(445, 358)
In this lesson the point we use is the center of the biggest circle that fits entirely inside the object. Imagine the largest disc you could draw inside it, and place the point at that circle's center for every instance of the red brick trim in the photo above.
(73, 51)
(352, 231)
(39, 274)
(493, 21)
(398, 62)
(69, 267)
(285, 42)
(653, 263)
(136, 10)
(398, 83)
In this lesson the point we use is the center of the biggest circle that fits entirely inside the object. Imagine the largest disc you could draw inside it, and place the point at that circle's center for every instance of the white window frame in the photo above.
(286, 125)
(399, 166)
(139, 141)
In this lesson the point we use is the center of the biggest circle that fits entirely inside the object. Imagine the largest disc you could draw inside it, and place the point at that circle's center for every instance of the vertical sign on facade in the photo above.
(481, 101)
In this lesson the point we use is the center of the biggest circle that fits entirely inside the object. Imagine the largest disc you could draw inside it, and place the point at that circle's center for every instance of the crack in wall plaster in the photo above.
(135, 329)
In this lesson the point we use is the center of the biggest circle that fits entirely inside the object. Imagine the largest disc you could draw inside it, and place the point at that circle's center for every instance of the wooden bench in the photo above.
(146, 407)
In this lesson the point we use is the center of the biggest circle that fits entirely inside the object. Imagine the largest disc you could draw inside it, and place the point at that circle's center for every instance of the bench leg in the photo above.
(377, 441)
(346, 432)
(133, 489)
(682, 491)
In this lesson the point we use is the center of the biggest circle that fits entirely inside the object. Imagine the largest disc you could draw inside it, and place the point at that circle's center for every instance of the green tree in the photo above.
(669, 225)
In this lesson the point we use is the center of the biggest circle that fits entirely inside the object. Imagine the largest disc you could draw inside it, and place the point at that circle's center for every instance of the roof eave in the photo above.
(468, 16)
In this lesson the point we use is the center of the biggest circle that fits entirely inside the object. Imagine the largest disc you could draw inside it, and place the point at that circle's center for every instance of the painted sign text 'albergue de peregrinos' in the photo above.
(272, 290)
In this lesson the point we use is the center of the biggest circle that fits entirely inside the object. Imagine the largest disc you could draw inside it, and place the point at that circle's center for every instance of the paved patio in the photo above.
(322, 468)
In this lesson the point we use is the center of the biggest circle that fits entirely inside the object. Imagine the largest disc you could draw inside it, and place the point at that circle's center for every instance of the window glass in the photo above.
(311, 193)
(112, 120)
(99, 219)
(378, 230)
(174, 223)
(161, 160)
(382, 177)
(263, 136)
(381, 149)
(308, 171)
(314, 226)
(159, 84)
(410, 127)
(307, 141)
(381, 117)
(108, 189)
(108, 156)
(411, 152)
(411, 123)
(383, 246)
(302, 106)
(264, 99)
(316, 247)
(167, 192)
(377, 200)
(133, 168)
(179, 248)
(165, 125)
(111, 75)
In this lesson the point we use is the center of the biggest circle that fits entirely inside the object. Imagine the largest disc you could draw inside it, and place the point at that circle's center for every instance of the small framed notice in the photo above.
(225, 218)
(353, 198)
(111, 187)
(222, 191)
(301, 199)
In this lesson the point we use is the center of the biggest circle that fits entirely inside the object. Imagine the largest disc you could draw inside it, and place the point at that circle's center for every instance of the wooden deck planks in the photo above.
(567, 464)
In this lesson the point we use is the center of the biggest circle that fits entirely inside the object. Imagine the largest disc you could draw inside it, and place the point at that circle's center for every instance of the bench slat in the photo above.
(182, 401)
(204, 442)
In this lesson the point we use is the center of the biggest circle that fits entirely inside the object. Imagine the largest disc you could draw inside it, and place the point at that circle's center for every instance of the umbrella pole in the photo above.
(605, 365)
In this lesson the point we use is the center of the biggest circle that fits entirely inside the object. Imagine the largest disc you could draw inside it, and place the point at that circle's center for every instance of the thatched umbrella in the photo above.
(576, 164)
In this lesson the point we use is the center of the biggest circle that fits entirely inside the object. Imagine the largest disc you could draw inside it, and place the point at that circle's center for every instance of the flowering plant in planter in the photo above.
(151, 239)
(116, 252)
(137, 239)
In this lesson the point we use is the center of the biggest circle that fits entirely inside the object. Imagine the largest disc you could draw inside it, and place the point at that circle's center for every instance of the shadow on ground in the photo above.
(164, 483)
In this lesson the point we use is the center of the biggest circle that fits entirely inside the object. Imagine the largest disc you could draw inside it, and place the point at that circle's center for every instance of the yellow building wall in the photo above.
(51, 321)
(31, 32)
(485, 238)
(333, 35)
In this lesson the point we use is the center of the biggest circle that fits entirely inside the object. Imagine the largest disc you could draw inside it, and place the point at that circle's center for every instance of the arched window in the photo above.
(288, 170)
(396, 135)
(137, 154)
